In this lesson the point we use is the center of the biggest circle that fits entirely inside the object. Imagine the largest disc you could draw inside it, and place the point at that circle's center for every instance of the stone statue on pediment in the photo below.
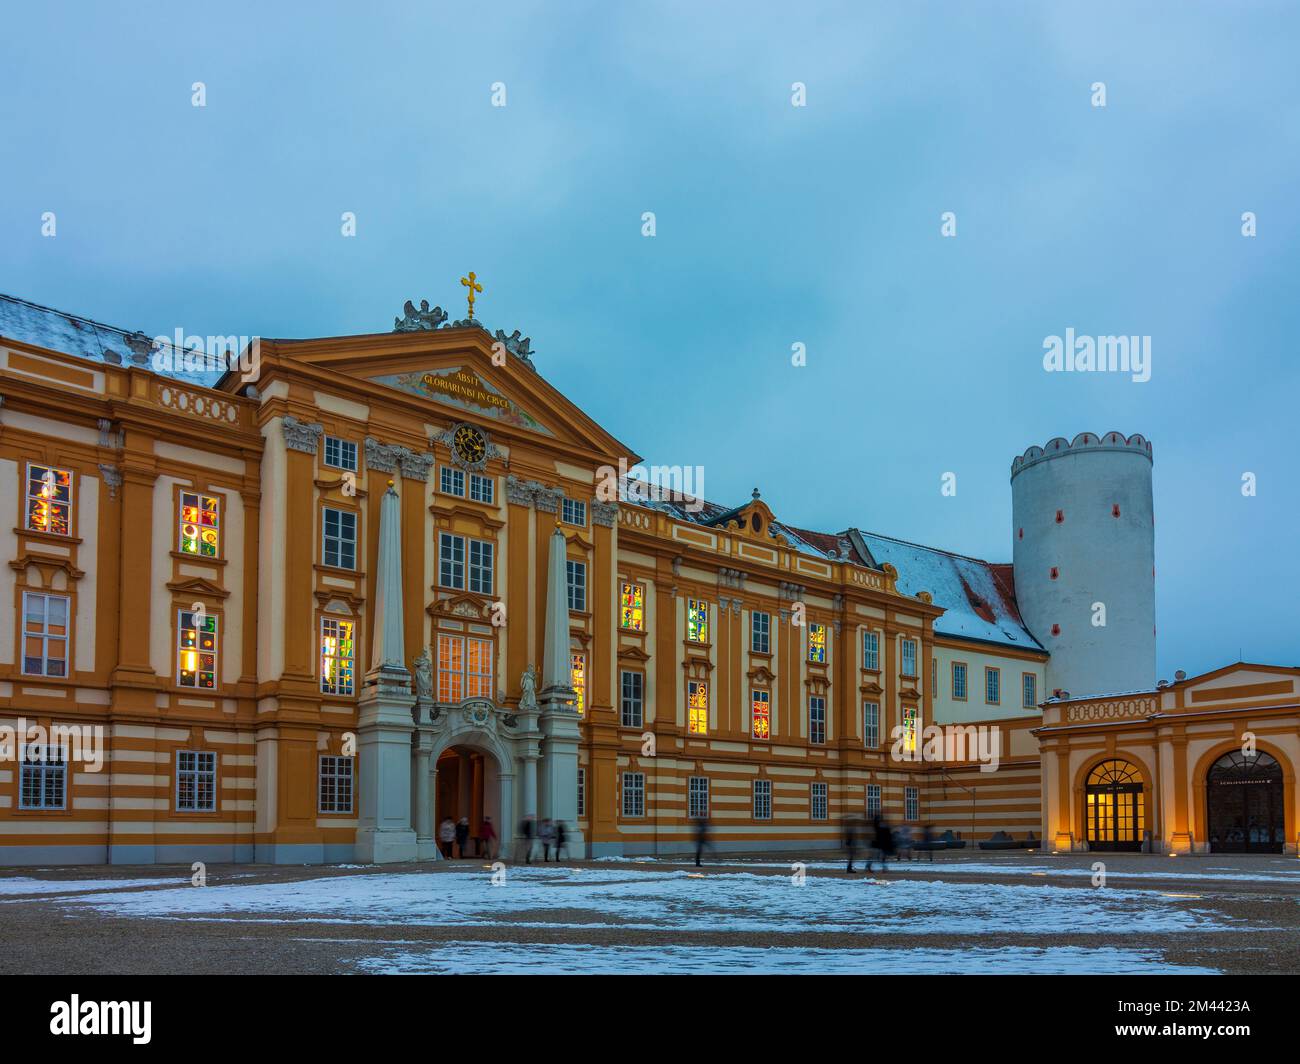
(423, 670)
(421, 320)
(521, 348)
(528, 699)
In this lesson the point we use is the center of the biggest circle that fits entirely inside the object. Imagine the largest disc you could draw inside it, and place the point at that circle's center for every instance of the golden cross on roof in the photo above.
(473, 286)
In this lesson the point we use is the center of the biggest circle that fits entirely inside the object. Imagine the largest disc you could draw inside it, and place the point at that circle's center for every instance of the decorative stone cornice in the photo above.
(604, 514)
(414, 465)
(520, 492)
(381, 457)
(547, 499)
(394, 458)
(301, 435)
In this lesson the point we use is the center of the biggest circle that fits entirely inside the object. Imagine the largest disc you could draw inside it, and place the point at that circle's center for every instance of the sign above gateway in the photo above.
(465, 390)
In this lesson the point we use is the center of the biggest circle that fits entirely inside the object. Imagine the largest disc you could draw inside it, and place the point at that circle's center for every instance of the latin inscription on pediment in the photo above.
(465, 390)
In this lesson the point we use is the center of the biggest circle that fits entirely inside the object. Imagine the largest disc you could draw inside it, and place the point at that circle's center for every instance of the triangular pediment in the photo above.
(447, 376)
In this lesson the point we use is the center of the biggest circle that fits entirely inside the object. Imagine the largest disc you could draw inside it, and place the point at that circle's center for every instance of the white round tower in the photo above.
(1084, 557)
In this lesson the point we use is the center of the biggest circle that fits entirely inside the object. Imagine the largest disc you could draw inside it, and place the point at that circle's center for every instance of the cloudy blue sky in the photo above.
(775, 225)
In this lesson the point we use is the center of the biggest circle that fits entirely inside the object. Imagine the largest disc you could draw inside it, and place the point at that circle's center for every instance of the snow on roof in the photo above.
(978, 596)
(56, 330)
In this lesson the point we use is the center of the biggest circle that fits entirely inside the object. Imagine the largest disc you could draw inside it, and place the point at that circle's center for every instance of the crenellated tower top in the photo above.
(1085, 441)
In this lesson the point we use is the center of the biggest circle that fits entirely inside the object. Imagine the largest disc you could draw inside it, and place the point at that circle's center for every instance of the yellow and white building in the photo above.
(303, 610)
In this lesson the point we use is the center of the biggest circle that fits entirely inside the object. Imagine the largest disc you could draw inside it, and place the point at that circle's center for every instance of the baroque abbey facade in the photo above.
(318, 603)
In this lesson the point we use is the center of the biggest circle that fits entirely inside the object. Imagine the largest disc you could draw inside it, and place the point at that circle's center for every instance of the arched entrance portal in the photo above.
(1115, 810)
(468, 785)
(1243, 804)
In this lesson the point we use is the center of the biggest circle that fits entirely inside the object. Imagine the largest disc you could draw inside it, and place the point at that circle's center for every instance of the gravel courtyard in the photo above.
(975, 913)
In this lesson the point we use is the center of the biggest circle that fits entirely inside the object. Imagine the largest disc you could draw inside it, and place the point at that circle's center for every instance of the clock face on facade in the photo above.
(469, 444)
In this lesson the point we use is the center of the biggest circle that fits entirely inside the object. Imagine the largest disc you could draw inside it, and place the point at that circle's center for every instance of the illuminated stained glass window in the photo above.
(49, 499)
(632, 613)
(697, 621)
(196, 652)
(817, 643)
(337, 657)
(697, 705)
(760, 703)
(200, 525)
(578, 680)
(911, 718)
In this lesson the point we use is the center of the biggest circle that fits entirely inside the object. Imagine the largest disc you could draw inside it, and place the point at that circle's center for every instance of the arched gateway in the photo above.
(1244, 810)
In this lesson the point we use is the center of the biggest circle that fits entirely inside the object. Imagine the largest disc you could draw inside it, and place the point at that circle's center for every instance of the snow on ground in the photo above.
(676, 900)
(21, 885)
(487, 958)
(992, 868)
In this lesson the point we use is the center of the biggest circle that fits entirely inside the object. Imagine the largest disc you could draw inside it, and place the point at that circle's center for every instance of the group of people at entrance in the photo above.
(550, 834)
(454, 838)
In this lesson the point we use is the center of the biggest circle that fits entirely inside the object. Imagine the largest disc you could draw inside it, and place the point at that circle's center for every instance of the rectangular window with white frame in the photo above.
(43, 778)
(336, 784)
(480, 566)
(873, 800)
(992, 686)
(45, 634)
(911, 803)
(482, 489)
(451, 561)
(196, 781)
(576, 572)
(1029, 691)
(464, 668)
(634, 794)
(760, 632)
(871, 651)
(451, 481)
(819, 801)
(633, 698)
(762, 799)
(339, 538)
(871, 724)
(959, 681)
(574, 512)
(909, 657)
(816, 720)
(697, 805)
(340, 454)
